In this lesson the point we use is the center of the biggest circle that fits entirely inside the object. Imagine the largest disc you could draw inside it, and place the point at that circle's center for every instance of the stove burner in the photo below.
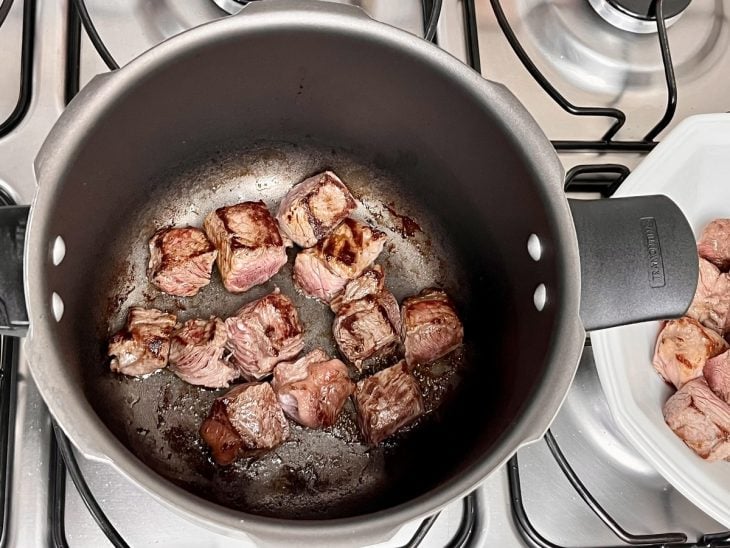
(638, 15)
(231, 6)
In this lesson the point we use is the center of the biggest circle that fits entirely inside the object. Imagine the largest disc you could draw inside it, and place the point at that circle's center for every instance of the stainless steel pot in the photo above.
(458, 152)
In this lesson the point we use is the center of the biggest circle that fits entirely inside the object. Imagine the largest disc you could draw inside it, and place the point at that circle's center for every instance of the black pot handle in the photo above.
(13, 314)
(638, 260)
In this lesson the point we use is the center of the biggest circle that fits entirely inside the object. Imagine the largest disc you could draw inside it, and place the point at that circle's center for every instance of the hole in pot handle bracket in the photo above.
(13, 314)
(638, 260)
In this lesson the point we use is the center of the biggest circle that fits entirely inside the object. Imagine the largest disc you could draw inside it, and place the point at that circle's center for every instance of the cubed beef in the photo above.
(711, 303)
(431, 327)
(247, 417)
(312, 209)
(263, 333)
(387, 401)
(683, 347)
(143, 346)
(313, 390)
(296, 370)
(717, 375)
(324, 270)
(367, 327)
(198, 354)
(714, 244)
(370, 282)
(250, 247)
(181, 260)
(701, 419)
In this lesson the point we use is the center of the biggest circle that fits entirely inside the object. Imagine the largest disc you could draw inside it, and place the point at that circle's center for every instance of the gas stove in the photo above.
(604, 81)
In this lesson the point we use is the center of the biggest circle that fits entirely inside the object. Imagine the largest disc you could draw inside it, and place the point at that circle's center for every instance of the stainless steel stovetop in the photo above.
(588, 60)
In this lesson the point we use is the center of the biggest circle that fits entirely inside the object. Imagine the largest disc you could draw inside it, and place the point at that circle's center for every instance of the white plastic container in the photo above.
(691, 166)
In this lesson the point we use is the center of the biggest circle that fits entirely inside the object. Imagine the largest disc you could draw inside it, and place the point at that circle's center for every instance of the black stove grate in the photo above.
(607, 181)
(532, 537)
(9, 348)
(26, 64)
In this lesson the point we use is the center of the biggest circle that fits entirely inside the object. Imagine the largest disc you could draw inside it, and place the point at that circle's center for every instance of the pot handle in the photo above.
(638, 260)
(13, 314)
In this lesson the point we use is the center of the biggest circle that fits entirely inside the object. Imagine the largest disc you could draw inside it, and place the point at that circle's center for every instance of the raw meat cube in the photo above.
(711, 303)
(701, 419)
(717, 375)
(714, 244)
(683, 347)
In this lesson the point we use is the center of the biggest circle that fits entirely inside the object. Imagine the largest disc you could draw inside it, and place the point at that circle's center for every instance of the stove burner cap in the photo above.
(231, 6)
(637, 15)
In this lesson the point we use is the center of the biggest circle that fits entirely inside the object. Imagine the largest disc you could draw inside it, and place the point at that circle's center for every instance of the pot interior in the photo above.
(243, 116)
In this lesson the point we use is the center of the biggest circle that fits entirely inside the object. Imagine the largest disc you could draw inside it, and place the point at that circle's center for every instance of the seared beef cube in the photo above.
(711, 303)
(312, 209)
(286, 372)
(701, 419)
(370, 282)
(250, 247)
(714, 244)
(387, 401)
(431, 328)
(263, 333)
(322, 271)
(143, 346)
(247, 417)
(313, 390)
(717, 375)
(683, 347)
(181, 260)
(198, 354)
(367, 327)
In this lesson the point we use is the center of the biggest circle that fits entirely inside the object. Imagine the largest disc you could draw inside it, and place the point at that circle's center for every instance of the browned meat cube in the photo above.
(711, 303)
(250, 247)
(198, 354)
(367, 327)
(247, 417)
(286, 372)
(370, 282)
(322, 271)
(263, 333)
(717, 375)
(714, 244)
(142, 347)
(701, 419)
(181, 260)
(683, 347)
(313, 390)
(312, 209)
(431, 328)
(387, 401)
